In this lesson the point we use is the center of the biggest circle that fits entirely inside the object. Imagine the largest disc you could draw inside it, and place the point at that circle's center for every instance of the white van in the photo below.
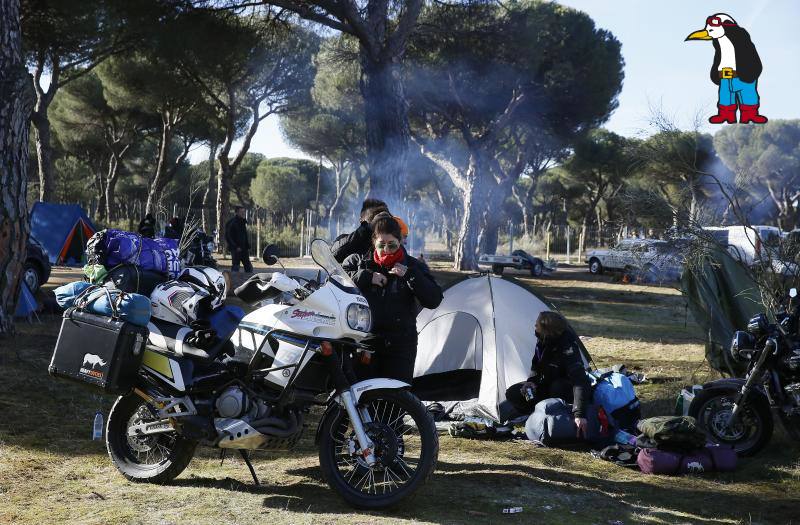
(749, 244)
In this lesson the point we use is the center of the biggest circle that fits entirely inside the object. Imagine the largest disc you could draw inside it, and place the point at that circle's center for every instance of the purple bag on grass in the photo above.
(713, 458)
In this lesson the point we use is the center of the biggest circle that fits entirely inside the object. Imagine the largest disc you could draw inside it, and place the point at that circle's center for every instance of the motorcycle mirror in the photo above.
(793, 293)
(270, 254)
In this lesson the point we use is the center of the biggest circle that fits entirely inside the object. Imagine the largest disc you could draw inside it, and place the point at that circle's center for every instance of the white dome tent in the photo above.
(478, 342)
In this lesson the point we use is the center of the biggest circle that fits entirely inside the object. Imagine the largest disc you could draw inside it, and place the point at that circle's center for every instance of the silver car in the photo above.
(651, 259)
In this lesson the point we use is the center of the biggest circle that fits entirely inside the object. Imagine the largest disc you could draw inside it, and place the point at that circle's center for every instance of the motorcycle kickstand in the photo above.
(246, 458)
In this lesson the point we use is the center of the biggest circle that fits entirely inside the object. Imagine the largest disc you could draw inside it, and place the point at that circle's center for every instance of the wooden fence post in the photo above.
(547, 243)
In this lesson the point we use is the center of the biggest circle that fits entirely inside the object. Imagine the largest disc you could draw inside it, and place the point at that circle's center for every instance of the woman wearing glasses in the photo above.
(392, 281)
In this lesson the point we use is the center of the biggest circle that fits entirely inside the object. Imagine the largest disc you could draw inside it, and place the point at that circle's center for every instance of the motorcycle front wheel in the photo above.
(406, 450)
(156, 458)
(752, 429)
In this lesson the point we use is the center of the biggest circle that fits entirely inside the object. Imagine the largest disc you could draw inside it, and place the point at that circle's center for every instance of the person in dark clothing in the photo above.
(360, 240)
(236, 239)
(391, 281)
(557, 370)
(147, 226)
(174, 229)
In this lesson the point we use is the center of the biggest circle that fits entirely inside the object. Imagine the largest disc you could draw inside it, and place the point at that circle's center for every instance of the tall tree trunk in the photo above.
(212, 153)
(101, 198)
(388, 135)
(473, 205)
(111, 183)
(44, 152)
(16, 104)
(223, 199)
(159, 178)
(341, 185)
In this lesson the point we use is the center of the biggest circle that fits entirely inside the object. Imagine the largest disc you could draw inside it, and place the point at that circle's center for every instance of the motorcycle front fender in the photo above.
(734, 384)
(378, 383)
(358, 389)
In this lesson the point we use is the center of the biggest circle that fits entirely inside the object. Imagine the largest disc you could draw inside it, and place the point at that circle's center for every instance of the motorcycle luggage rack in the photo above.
(311, 344)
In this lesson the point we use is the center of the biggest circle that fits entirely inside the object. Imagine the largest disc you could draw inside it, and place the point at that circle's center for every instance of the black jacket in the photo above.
(748, 63)
(561, 359)
(393, 306)
(236, 233)
(147, 227)
(358, 242)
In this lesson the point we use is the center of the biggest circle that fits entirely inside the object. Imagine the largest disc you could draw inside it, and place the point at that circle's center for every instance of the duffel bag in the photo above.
(66, 294)
(133, 279)
(709, 459)
(552, 423)
(114, 247)
(615, 393)
(129, 307)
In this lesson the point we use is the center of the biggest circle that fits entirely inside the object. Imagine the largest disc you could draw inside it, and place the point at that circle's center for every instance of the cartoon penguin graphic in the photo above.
(735, 70)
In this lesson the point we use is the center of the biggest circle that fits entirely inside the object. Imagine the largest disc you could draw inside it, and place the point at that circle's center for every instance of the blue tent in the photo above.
(26, 304)
(63, 230)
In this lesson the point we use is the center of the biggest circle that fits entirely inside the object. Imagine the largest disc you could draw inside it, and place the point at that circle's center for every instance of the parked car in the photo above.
(37, 265)
(652, 259)
(519, 259)
(753, 245)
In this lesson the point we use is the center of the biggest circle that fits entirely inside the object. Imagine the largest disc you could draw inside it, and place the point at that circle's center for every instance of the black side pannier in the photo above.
(98, 351)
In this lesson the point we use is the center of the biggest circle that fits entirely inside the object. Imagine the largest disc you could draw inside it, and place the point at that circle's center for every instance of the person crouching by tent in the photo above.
(391, 281)
(556, 371)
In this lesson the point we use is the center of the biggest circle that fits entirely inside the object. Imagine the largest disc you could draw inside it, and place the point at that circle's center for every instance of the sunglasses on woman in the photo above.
(391, 245)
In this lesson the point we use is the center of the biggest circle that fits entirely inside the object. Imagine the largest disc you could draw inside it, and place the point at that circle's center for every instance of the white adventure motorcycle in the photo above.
(377, 443)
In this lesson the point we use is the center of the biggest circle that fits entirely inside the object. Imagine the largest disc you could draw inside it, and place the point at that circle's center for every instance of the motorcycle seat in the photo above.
(256, 289)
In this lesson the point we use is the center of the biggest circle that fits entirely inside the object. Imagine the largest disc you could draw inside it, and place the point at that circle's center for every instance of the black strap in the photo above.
(711, 456)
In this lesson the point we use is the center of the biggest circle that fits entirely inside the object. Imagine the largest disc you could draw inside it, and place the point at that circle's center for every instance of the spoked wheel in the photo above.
(406, 448)
(155, 458)
(747, 435)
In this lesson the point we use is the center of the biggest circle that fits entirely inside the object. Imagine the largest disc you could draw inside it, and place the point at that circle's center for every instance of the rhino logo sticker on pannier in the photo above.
(695, 467)
(92, 361)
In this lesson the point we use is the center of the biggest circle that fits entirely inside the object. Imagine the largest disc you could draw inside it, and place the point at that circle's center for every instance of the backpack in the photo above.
(552, 423)
(615, 393)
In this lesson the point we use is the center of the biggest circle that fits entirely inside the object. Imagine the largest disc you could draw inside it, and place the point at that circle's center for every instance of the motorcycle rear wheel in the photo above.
(749, 435)
(158, 458)
(406, 454)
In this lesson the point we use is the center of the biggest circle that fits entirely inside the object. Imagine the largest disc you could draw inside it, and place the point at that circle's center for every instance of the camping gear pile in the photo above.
(671, 445)
(112, 248)
(137, 293)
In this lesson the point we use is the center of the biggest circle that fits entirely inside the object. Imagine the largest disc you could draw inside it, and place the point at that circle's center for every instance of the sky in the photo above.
(661, 69)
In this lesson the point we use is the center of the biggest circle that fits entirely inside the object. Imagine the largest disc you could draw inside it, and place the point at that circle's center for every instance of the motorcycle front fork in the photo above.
(752, 377)
(359, 416)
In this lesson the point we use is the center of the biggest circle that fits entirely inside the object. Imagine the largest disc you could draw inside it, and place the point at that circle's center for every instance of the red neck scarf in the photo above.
(388, 260)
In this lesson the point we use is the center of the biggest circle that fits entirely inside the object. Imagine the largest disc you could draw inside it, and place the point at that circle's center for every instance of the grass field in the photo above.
(51, 472)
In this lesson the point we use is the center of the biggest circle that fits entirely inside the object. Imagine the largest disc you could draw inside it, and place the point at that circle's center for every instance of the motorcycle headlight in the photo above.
(359, 317)
(758, 325)
(742, 346)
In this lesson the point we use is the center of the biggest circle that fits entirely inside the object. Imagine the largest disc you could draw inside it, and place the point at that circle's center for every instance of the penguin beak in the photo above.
(699, 35)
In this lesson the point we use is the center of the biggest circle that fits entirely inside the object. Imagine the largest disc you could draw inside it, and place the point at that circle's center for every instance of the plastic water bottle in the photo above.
(624, 438)
(97, 428)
